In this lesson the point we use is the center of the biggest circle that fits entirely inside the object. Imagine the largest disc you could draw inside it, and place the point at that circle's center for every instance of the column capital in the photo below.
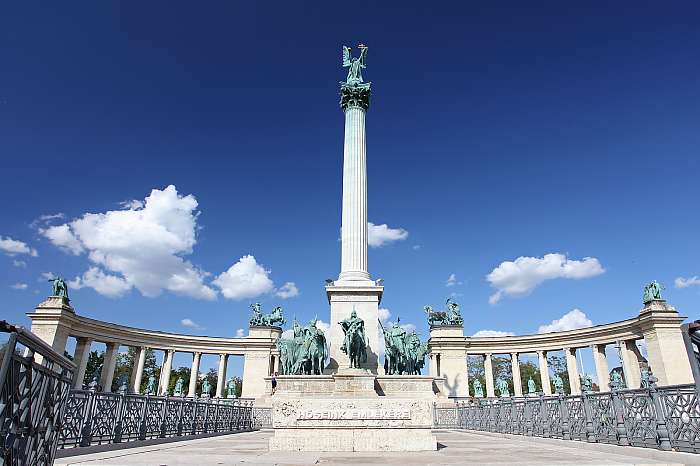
(514, 354)
(197, 353)
(488, 355)
(354, 95)
(541, 353)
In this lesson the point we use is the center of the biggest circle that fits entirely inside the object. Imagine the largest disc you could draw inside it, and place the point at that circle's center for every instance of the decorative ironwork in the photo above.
(95, 418)
(664, 418)
(34, 385)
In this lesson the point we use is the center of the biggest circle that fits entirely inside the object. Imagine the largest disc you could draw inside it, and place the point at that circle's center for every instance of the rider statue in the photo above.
(652, 291)
(354, 342)
(59, 287)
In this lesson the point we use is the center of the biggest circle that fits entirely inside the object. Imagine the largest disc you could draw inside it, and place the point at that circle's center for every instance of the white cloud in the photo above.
(288, 334)
(244, 279)
(191, 324)
(13, 247)
(384, 315)
(452, 280)
(409, 327)
(492, 333)
(240, 333)
(111, 286)
(48, 275)
(288, 290)
(380, 235)
(520, 277)
(19, 286)
(686, 282)
(323, 326)
(144, 243)
(20, 264)
(416, 247)
(62, 236)
(46, 219)
(570, 321)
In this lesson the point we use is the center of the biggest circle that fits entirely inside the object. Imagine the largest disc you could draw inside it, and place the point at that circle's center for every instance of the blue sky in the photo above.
(494, 133)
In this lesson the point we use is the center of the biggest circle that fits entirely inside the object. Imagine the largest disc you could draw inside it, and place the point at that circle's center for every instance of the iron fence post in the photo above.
(86, 431)
(588, 415)
(663, 438)
(118, 424)
(619, 411)
(142, 418)
(564, 413)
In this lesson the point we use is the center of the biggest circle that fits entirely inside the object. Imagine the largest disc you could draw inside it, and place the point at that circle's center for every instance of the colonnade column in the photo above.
(488, 375)
(544, 372)
(221, 375)
(108, 366)
(630, 363)
(601, 367)
(515, 369)
(137, 370)
(165, 373)
(572, 370)
(82, 353)
(194, 374)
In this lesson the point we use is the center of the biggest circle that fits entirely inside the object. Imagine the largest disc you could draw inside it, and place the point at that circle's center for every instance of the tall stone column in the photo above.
(165, 375)
(108, 366)
(194, 373)
(488, 375)
(572, 370)
(221, 376)
(544, 372)
(137, 370)
(515, 369)
(354, 291)
(601, 367)
(666, 353)
(630, 364)
(82, 353)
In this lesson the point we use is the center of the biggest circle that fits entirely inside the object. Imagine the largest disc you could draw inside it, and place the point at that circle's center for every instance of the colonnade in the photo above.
(55, 321)
(658, 325)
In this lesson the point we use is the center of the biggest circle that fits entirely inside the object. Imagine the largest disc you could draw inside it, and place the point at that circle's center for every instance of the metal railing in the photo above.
(94, 418)
(666, 418)
(32, 398)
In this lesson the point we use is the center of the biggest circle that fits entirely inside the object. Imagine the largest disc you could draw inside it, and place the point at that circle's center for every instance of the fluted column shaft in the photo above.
(82, 354)
(194, 373)
(108, 366)
(137, 370)
(165, 376)
(354, 228)
(630, 363)
(544, 372)
(515, 369)
(601, 367)
(572, 370)
(488, 375)
(221, 375)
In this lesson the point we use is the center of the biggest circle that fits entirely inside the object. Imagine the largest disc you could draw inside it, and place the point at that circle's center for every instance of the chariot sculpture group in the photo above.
(450, 316)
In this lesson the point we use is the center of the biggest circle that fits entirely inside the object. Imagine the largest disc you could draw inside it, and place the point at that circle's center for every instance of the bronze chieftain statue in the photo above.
(354, 344)
(403, 352)
(305, 353)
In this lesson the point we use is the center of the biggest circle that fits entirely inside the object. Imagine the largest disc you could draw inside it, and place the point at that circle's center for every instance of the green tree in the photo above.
(557, 365)
(530, 370)
(179, 373)
(93, 366)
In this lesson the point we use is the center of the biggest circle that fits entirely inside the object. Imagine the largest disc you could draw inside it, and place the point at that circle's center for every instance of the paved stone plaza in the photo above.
(454, 448)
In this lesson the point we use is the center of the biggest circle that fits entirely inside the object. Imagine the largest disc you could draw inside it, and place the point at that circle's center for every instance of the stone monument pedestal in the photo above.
(353, 411)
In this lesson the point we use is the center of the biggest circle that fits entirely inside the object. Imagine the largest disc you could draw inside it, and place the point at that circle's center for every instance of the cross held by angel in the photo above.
(354, 65)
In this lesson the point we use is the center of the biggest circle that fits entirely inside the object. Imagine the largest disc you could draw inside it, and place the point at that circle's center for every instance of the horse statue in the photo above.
(305, 353)
(315, 346)
(266, 320)
(355, 342)
(435, 316)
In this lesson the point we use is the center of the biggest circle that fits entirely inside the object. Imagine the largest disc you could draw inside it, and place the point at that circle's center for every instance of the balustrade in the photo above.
(657, 417)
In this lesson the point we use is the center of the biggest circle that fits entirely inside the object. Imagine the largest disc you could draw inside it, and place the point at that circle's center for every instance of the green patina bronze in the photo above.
(558, 384)
(179, 387)
(305, 352)
(266, 320)
(231, 388)
(531, 387)
(478, 389)
(652, 291)
(355, 341)
(59, 287)
(354, 92)
(403, 352)
(206, 388)
(151, 386)
(616, 382)
(451, 316)
(502, 386)
(586, 383)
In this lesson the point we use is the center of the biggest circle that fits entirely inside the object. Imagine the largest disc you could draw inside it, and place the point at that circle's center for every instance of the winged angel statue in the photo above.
(355, 65)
